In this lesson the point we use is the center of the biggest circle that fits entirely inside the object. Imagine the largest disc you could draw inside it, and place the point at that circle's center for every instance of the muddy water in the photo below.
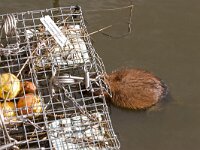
(164, 40)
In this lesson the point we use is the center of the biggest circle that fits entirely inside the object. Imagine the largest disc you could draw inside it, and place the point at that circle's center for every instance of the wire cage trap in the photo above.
(52, 83)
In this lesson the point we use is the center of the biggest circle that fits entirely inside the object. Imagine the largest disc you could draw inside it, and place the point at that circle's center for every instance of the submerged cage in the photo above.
(52, 88)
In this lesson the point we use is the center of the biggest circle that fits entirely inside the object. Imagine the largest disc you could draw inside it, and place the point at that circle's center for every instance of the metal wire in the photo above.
(8, 29)
(71, 111)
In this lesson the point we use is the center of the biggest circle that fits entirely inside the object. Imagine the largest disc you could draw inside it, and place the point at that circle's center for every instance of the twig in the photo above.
(130, 19)
(99, 30)
(111, 9)
(26, 62)
(129, 26)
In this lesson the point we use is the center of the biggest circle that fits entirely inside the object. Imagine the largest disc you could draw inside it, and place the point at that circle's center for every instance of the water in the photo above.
(165, 40)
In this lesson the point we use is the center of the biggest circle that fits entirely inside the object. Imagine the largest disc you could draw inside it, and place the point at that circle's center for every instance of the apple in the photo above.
(9, 86)
(29, 104)
(8, 109)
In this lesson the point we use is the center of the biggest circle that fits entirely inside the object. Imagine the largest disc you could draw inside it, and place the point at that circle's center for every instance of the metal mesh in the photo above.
(72, 113)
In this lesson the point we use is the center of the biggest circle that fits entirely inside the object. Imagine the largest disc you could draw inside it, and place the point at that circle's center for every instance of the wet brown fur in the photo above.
(135, 88)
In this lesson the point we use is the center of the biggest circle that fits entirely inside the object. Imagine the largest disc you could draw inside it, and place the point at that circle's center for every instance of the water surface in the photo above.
(165, 40)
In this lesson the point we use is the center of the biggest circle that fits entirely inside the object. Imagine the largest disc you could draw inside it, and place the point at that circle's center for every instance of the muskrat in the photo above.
(135, 88)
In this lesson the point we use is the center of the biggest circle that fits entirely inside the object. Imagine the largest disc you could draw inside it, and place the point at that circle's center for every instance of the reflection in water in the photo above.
(56, 3)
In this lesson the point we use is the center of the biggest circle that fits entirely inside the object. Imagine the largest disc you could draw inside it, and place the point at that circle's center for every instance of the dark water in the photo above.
(165, 40)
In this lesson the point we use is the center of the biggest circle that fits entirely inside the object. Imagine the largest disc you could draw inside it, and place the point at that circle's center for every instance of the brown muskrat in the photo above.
(135, 88)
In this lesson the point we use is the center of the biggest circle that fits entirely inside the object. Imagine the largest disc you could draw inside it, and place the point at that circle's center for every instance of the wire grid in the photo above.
(70, 84)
